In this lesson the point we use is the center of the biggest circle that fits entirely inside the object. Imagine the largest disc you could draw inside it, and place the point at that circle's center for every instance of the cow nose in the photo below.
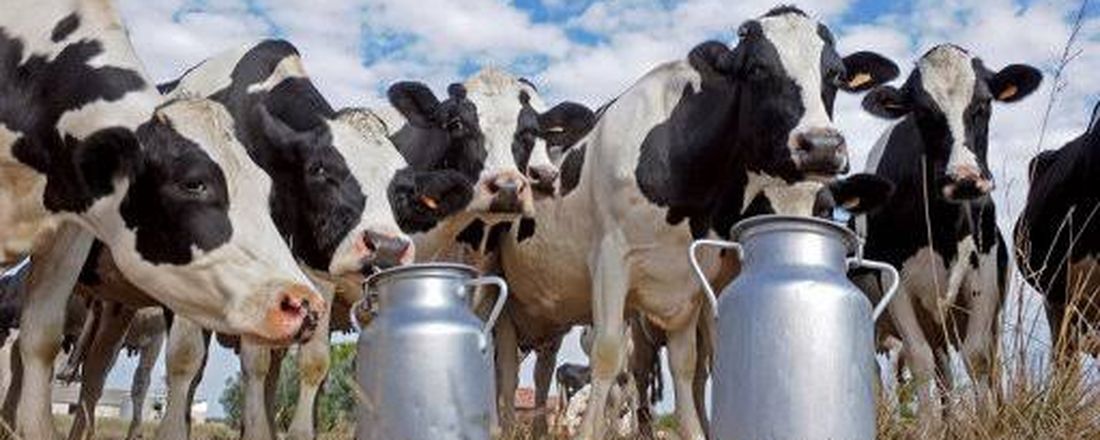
(821, 150)
(295, 314)
(386, 250)
(543, 177)
(507, 192)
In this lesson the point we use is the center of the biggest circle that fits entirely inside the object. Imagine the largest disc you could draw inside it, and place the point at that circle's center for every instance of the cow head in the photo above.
(949, 94)
(787, 71)
(515, 131)
(855, 194)
(334, 178)
(195, 231)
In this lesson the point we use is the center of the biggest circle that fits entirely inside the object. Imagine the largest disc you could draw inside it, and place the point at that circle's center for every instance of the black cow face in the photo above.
(420, 199)
(439, 135)
(950, 95)
(307, 165)
(788, 72)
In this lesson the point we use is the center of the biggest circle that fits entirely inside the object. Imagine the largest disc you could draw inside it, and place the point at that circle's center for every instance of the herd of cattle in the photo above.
(236, 200)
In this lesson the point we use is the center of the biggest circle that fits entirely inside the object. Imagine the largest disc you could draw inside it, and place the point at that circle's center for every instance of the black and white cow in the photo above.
(940, 227)
(1058, 235)
(82, 140)
(688, 150)
(79, 141)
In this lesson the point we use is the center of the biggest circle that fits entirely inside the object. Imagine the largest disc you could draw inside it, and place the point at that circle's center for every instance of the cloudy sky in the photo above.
(589, 51)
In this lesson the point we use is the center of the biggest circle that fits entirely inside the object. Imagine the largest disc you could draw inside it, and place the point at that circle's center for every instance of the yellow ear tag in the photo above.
(859, 80)
(429, 202)
(1009, 92)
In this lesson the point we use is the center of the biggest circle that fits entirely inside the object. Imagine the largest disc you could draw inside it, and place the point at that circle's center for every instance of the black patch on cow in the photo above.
(526, 229)
(472, 234)
(527, 132)
(180, 202)
(65, 27)
(571, 168)
(315, 199)
(492, 242)
(973, 260)
(89, 273)
(36, 93)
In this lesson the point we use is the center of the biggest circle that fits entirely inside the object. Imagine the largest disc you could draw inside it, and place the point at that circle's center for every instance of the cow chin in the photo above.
(966, 190)
(821, 166)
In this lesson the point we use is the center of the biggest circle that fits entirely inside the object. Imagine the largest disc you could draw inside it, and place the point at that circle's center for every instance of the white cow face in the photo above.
(194, 230)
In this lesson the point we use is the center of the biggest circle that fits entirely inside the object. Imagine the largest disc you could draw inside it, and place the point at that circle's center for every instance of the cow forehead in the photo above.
(210, 126)
(496, 94)
(369, 154)
(948, 76)
(798, 43)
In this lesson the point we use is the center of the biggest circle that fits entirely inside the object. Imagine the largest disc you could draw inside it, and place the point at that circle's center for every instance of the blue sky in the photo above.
(589, 51)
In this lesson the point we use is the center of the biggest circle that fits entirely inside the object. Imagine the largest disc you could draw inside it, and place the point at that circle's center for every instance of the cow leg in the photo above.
(682, 360)
(313, 365)
(15, 384)
(70, 372)
(109, 334)
(918, 357)
(507, 369)
(6, 366)
(186, 356)
(704, 349)
(139, 388)
(544, 374)
(256, 362)
(610, 282)
(980, 342)
(50, 283)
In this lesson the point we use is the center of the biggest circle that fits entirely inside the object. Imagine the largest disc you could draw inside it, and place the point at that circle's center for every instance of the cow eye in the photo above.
(317, 170)
(193, 187)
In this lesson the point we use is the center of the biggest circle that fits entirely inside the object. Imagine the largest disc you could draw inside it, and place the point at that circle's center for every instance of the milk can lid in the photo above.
(773, 222)
(424, 268)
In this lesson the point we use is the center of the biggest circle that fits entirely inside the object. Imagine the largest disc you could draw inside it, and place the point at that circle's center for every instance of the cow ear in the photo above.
(887, 102)
(866, 70)
(415, 101)
(713, 56)
(566, 123)
(106, 155)
(862, 192)
(1015, 82)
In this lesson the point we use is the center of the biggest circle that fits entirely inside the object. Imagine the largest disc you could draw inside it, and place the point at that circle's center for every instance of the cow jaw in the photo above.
(785, 198)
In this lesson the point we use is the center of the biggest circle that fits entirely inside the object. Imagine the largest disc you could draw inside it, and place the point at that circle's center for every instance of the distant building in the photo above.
(116, 403)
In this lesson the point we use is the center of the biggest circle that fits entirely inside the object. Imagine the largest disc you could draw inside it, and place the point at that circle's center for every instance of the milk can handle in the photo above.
(501, 298)
(722, 244)
(367, 300)
(891, 273)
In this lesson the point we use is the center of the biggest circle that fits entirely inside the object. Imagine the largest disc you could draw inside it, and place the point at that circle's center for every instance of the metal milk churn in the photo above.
(795, 348)
(425, 361)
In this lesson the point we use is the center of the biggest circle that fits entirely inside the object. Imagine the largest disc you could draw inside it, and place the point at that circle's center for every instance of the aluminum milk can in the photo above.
(425, 360)
(795, 348)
